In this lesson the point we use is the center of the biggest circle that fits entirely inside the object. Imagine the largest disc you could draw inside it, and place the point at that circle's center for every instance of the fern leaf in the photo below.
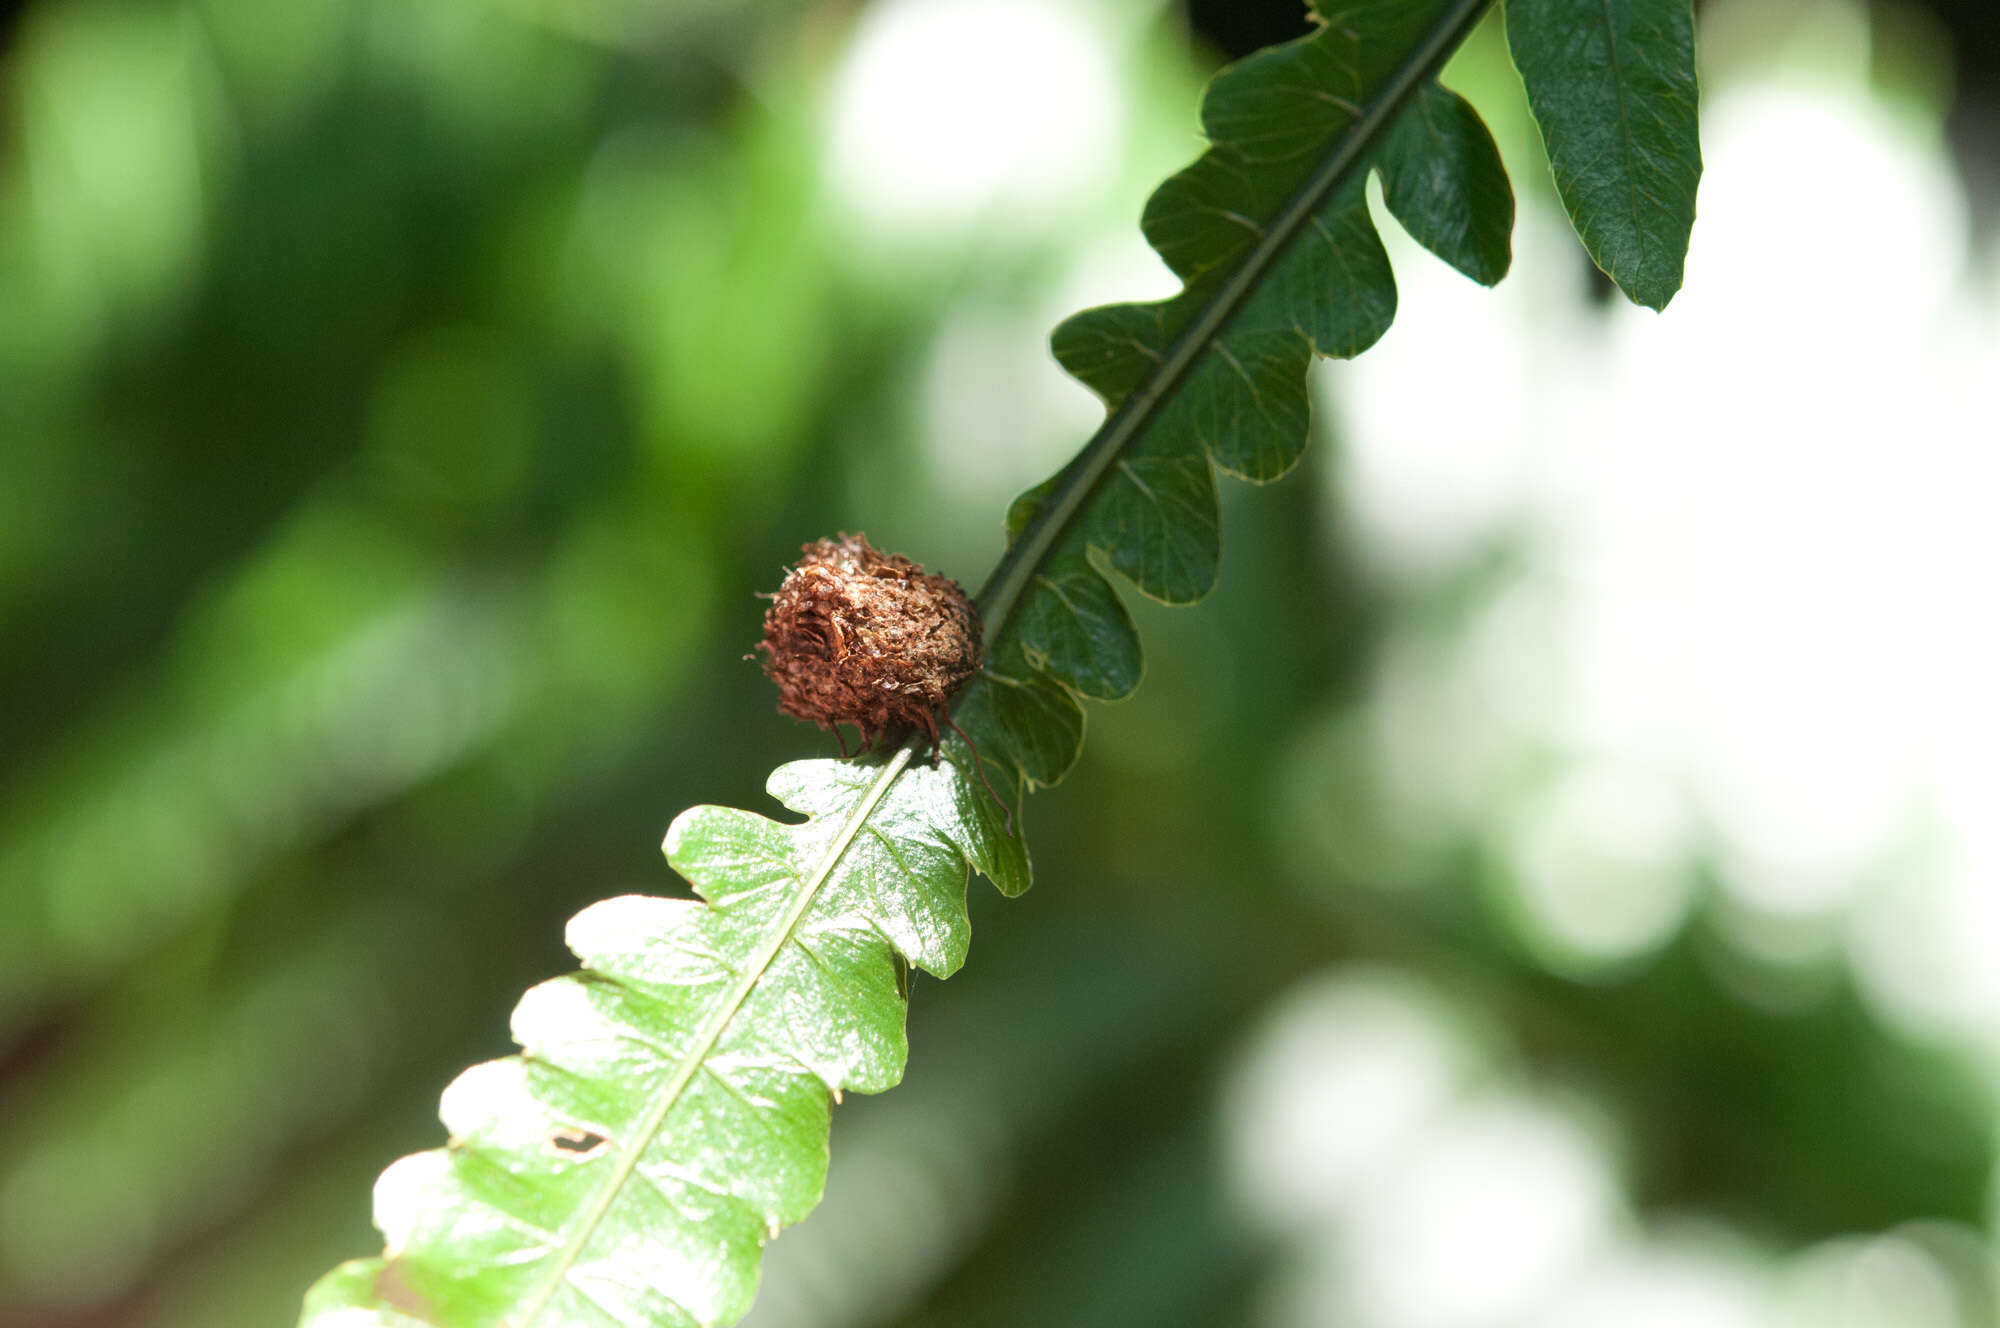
(1270, 232)
(668, 1111)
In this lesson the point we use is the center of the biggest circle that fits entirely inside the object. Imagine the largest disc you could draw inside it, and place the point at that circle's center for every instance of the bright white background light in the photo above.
(950, 116)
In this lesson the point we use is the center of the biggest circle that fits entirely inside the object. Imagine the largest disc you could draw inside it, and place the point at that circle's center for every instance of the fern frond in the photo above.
(668, 1112)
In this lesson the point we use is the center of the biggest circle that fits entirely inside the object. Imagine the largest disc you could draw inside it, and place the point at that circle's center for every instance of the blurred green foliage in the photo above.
(399, 406)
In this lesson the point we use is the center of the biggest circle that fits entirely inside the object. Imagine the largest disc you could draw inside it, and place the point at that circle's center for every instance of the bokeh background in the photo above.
(1554, 881)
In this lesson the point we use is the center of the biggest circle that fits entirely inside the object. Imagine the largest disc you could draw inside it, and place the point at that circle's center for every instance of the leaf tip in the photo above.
(1654, 295)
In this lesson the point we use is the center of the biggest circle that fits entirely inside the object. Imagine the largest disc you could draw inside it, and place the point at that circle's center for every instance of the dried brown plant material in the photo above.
(857, 636)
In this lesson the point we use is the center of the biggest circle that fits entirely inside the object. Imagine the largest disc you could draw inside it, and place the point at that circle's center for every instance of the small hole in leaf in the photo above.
(569, 1142)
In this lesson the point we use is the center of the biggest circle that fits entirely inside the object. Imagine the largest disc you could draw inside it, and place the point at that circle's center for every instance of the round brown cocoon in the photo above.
(857, 636)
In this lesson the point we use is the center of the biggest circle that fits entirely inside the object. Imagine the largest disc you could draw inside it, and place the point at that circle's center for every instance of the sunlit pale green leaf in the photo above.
(1612, 85)
(668, 1112)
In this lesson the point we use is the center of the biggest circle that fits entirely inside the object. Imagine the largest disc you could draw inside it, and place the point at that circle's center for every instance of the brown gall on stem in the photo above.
(857, 636)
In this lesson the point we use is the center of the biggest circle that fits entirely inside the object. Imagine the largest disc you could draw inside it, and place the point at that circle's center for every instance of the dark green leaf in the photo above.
(1156, 521)
(1336, 290)
(1612, 85)
(1076, 628)
(1022, 716)
(1442, 178)
(1271, 232)
(1246, 402)
(1112, 349)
